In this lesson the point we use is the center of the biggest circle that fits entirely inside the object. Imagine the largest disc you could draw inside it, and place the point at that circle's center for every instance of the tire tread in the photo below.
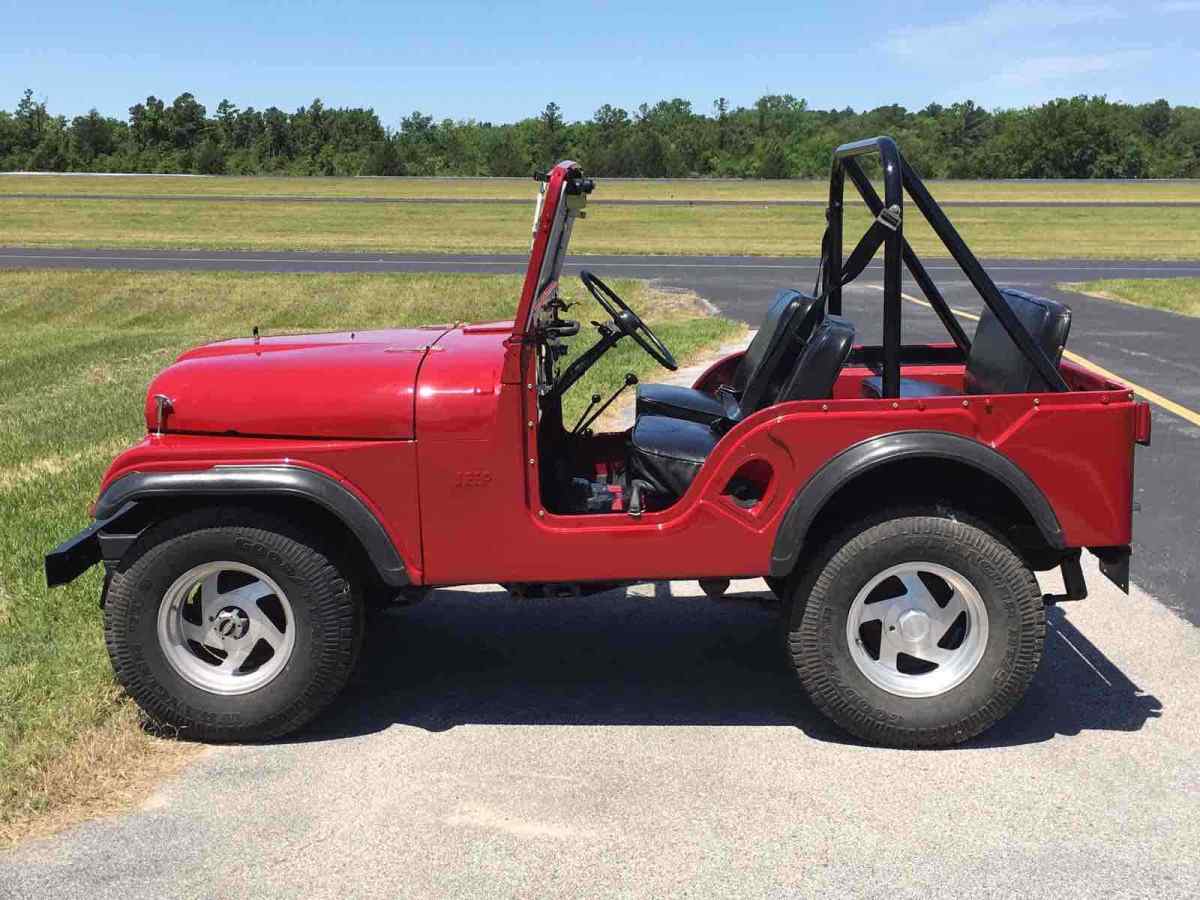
(804, 643)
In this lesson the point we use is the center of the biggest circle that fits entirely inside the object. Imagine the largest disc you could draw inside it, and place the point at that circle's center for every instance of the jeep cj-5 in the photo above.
(897, 498)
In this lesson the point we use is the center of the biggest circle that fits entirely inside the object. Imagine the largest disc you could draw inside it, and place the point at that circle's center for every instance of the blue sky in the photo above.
(501, 61)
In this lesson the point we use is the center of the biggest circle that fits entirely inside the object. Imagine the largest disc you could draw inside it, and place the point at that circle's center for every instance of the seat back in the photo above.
(772, 354)
(996, 364)
(778, 312)
(817, 369)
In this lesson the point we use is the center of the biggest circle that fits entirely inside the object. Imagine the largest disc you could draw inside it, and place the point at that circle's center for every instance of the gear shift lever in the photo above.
(630, 381)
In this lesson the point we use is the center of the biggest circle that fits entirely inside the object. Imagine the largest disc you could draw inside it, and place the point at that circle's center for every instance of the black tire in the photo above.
(819, 647)
(327, 610)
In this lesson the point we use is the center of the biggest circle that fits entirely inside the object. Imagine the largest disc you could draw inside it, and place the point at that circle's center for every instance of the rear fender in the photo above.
(870, 454)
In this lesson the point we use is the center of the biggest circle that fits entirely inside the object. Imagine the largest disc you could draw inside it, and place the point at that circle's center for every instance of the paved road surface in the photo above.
(519, 201)
(652, 744)
(1155, 349)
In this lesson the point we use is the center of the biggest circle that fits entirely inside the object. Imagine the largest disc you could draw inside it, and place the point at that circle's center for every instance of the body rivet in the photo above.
(895, 405)
(1036, 401)
(531, 460)
(966, 403)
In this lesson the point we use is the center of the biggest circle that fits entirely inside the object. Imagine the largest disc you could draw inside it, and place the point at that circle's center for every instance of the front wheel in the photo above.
(920, 631)
(232, 626)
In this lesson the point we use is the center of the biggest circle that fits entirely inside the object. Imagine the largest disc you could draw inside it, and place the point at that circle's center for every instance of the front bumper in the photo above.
(78, 553)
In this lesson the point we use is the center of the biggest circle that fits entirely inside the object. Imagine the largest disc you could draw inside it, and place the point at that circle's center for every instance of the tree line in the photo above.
(778, 137)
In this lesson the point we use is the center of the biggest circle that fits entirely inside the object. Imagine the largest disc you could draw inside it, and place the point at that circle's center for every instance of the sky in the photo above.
(500, 62)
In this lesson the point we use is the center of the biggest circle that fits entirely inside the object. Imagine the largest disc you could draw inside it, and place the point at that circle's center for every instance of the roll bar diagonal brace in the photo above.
(898, 177)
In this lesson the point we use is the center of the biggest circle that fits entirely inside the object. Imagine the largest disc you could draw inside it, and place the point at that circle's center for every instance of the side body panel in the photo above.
(462, 504)
(483, 521)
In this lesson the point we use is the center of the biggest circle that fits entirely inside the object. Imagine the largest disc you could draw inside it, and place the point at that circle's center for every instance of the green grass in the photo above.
(1136, 233)
(76, 352)
(1178, 295)
(625, 189)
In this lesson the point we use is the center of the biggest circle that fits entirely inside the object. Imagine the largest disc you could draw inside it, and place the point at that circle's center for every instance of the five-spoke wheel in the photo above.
(915, 631)
(226, 627)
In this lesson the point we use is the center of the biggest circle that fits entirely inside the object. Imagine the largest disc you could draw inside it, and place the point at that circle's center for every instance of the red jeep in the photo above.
(897, 498)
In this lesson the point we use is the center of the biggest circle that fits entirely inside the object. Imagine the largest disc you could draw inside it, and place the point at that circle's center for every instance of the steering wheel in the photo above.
(627, 321)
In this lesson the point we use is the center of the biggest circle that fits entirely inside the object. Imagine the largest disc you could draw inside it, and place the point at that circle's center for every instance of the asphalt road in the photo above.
(518, 201)
(1154, 349)
(649, 743)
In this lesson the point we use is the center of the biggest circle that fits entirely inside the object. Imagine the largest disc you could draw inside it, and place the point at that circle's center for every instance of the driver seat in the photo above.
(666, 453)
(759, 374)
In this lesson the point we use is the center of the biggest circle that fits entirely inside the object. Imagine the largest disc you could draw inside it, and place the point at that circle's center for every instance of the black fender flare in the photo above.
(889, 448)
(265, 481)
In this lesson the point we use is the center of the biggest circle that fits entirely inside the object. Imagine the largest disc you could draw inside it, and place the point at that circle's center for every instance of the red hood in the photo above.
(337, 385)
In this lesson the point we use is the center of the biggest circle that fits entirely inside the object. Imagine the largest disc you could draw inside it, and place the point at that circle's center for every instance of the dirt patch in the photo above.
(54, 465)
(621, 414)
(109, 769)
(674, 303)
(100, 373)
(1078, 288)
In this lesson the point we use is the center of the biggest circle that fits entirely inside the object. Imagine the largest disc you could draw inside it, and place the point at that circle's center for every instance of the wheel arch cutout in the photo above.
(292, 487)
(915, 468)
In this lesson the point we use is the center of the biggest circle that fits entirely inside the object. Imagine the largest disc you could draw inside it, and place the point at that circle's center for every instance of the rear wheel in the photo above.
(918, 631)
(232, 626)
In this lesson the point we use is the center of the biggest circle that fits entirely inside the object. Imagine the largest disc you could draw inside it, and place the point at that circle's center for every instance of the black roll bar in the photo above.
(898, 177)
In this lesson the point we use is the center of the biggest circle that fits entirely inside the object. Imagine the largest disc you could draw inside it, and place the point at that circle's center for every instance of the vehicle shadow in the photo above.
(484, 658)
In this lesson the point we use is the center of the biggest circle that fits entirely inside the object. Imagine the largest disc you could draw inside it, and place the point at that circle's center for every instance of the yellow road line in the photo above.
(1154, 397)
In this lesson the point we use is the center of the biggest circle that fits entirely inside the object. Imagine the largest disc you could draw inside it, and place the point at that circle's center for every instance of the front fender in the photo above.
(264, 481)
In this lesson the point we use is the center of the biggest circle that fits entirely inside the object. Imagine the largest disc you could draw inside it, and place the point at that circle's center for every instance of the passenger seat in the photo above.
(995, 364)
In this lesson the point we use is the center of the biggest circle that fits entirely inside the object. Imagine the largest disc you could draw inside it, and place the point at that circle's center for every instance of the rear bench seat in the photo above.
(995, 364)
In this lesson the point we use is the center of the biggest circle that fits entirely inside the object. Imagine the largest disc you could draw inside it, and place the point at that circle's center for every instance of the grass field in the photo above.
(1178, 295)
(76, 352)
(1133, 233)
(612, 189)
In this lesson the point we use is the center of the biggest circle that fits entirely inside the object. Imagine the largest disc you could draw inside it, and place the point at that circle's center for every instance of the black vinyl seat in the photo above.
(995, 364)
(666, 452)
(759, 374)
